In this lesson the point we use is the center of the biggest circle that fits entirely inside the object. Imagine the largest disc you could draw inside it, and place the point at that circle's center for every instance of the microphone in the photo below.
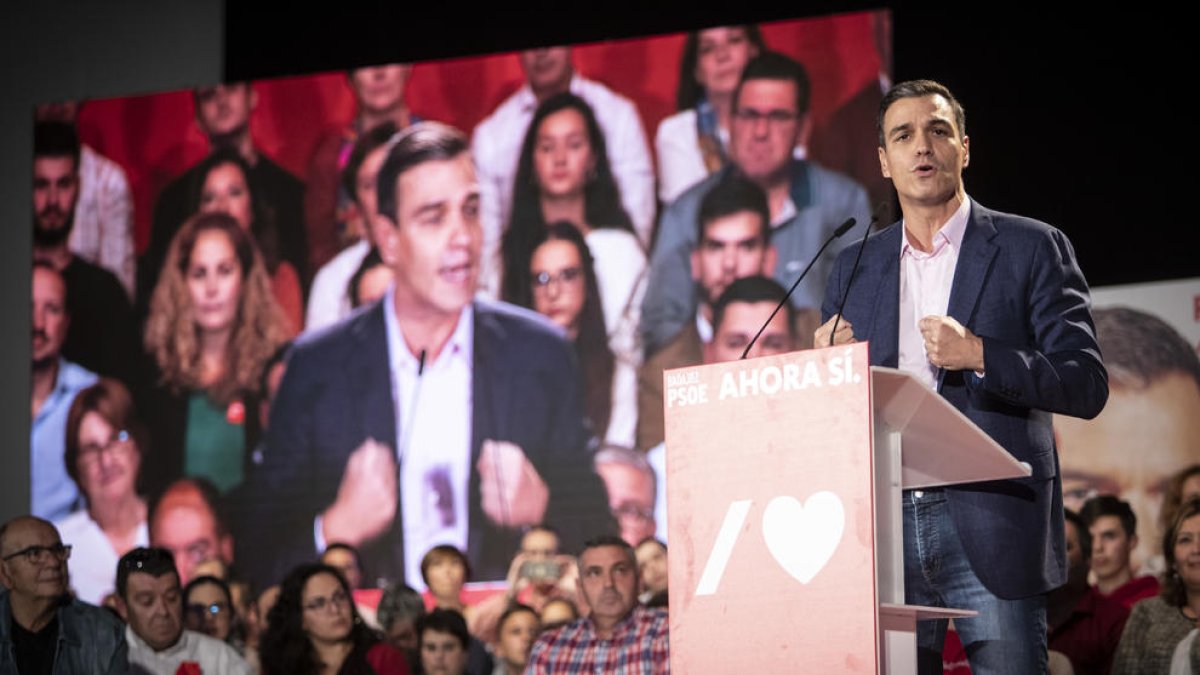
(842, 229)
(875, 215)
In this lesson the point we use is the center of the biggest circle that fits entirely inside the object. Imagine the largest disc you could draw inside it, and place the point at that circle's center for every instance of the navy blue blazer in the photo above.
(1018, 287)
(336, 393)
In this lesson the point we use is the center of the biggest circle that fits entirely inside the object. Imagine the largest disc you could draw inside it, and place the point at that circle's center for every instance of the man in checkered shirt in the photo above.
(619, 636)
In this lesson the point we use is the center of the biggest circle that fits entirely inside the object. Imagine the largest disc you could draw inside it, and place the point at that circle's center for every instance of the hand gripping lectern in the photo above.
(786, 542)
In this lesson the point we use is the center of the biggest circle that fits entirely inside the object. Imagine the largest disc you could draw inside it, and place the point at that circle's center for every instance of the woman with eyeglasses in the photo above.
(691, 144)
(563, 175)
(313, 629)
(103, 456)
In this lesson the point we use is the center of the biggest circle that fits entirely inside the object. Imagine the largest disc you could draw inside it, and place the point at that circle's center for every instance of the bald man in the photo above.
(186, 521)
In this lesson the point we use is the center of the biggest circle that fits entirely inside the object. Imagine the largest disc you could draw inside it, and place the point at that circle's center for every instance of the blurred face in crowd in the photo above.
(732, 247)
(652, 566)
(442, 653)
(226, 191)
(208, 611)
(563, 157)
(539, 544)
(1111, 547)
(1187, 553)
(153, 608)
(738, 326)
(558, 283)
(33, 564)
(403, 635)
(184, 525)
(50, 320)
(55, 192)
(446, 576)
(224, 110)
(515, 639)
(608, 580)
(346, 563)
(548, 70)
(364, 190)
(1131, 449)
(721, 54)
(765, 128)
(433, 241)
(108, 460)
(214, 281)
(631, 498)
(327, 616)
(380, 89)
(557, 613)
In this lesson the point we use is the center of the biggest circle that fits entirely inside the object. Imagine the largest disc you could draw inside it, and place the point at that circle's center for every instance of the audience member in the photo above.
(105, 442)
(330, 299)
(692, 143)
(537, 575)
(1184, 486)
(652, 567)
(733, 242)
(807, 203)
(212, 327)
(43, 629)
(564, 287)
(1083, 625)
(333, 216)
(497, 142)
(618, 634)
(558, 612)
(518, 628)
(103, 230)
(187, 522)
(473, 473)
(225, 186)
(1154, 374)
(54, 384)
(631, 486)
(398, 611)
(344, 558)
(208, 609)
(443, 643)
(101, 336)
(1161, 634)
(150, 601)
(1113, 530)
(223, 115)
(445, 571)
(314, 628)
(739, 312)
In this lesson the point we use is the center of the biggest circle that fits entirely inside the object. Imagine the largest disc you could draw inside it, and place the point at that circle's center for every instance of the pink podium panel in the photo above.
(770, 508)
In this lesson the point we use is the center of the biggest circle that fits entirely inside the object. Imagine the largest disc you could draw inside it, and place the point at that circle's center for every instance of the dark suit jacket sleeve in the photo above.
(1062, 373)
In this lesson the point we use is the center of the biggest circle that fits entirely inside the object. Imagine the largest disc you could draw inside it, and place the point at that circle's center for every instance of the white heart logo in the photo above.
(803, 537)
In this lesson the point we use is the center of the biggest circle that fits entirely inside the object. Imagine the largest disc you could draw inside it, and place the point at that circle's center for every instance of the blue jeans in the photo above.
(1008, 636)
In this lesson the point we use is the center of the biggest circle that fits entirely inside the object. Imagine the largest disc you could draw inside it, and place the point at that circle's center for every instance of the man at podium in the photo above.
(992, 311)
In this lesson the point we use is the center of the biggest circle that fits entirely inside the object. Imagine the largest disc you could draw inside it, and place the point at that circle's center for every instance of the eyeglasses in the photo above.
(37, 554)
(773, 117)
(337, 600)
(91, 453)
(629, 511)
(199, 611)
(542, 280)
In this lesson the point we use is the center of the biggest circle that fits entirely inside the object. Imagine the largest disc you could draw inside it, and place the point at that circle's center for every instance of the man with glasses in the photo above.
(42, 628)
(807, 202)
(150, 601)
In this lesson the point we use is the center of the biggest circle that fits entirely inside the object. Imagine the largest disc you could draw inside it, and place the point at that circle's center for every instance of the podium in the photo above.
(784, 476)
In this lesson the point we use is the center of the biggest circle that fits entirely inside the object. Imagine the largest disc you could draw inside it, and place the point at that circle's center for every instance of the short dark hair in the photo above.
(419, 143)
(397, 603)
(608, 540)
(56, 139)
(1139, 348)
(342, 546)
(1108, 505)
(154, 561)
(515, 608)
(753, 289)
(770, 65)
(1081, 528)
(444, 551)
(369, 262)
(208, 579)
(733, 194)
(917, 89)
(367, 143)
(444, 621)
